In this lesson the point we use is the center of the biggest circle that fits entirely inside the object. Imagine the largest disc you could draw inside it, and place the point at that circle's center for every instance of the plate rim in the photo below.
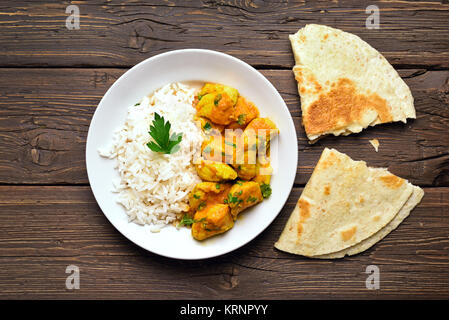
(155, 58)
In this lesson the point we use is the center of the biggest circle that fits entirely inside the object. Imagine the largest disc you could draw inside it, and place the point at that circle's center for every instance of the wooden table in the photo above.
(52, 78)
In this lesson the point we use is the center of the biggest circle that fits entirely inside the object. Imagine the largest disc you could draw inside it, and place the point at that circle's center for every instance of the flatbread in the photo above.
(345, 208)
(375, 143)
(345, 84)
(411, 203)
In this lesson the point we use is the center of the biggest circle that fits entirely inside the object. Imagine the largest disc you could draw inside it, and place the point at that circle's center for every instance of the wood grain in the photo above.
(45, 229)
(52, 78)
(122, 33)
(44, 119)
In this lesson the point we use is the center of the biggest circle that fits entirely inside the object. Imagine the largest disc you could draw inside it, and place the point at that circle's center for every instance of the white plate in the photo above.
(182, 66)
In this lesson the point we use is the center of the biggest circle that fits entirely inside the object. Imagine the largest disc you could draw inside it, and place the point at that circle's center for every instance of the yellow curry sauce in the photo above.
(233, 166)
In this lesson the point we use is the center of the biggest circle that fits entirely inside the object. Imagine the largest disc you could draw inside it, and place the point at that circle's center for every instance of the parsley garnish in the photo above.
(232, 199)
(187, 221)
(251, 199)
(217, 99)
(160, 132)
(201, 206)
(241, 119)
(199, 97)
(196, 196)
(217, 186)
(266, 190)
(207, 126)
(137, 104)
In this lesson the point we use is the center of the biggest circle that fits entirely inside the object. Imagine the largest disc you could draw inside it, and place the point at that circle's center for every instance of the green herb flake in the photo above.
(217, 99)
(187, 221)
(239, 182)
(200, 97)
(196, 196)
(137, 104)
(160, 132)
(266, 190)
(217, 186)
(206, 227)
(241, 119)
(231, 144)
(231, 199)
(251, 199)
(201, 206)
(207, 126)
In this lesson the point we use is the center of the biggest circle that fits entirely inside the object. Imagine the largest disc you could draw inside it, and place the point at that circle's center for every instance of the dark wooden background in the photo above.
(52, 78)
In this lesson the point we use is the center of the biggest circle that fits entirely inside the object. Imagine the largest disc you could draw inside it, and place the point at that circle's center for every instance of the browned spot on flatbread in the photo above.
(376, 218)
(298, 74)
(391, 181)
(311, 79)
(348, 234)
(304, 213)
(300, 228)
(304, 209)
(342, 106)
(329, 161)
(327, 190)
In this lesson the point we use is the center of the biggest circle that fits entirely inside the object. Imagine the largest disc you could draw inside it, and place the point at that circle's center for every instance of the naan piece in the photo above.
(411, 203)
(345, 208)
(345, 84)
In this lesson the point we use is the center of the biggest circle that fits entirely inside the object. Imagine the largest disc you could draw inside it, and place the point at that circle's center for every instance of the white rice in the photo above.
(153, 187)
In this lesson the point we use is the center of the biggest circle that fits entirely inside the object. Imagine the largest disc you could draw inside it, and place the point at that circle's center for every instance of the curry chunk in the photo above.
(208, 127)
(246, 171)
(217, 107)
(242, 195)
(213, 148)
(215, 171)
(245, 112)
(263, 128)
(262, 123)
(219, 88)
(206, 194)
(217, 103)
(245, 166)
(212, 220)
(263, 173)
(223, 148)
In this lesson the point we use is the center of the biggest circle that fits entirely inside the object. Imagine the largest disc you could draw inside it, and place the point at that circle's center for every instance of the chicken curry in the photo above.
(234, 162)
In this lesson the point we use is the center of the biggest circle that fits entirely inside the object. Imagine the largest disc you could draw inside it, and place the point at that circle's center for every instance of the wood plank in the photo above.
(44, 119)
(122, 33)
(45, 229)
